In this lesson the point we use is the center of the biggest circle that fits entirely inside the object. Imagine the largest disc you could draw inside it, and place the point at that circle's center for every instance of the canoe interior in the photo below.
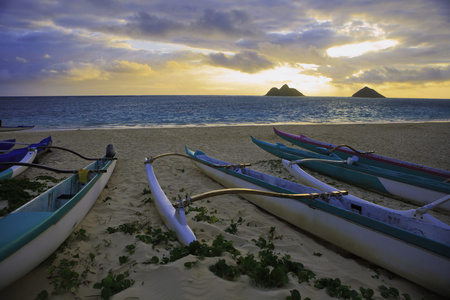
(61, 194)
(30, 220)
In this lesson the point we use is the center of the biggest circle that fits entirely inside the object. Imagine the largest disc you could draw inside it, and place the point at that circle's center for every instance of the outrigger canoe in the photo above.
(174, 218)
(403, 242)
(409, 187)
(35, 230)
(22, 155)
(366, 157)
(15, 128)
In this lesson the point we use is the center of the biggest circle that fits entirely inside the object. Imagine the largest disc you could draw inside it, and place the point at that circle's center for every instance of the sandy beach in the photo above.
(123, 202)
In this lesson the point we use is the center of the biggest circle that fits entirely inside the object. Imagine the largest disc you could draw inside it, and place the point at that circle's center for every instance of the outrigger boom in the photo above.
(234, 191)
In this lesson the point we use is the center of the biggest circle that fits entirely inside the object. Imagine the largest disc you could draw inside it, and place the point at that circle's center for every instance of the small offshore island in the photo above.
(285, 91)
(367, 93)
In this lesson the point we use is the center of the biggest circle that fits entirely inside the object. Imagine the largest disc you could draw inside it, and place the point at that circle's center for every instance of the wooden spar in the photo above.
(300, 161)
(234, 191)
(424, 209)
(227, 166)
(185, 202)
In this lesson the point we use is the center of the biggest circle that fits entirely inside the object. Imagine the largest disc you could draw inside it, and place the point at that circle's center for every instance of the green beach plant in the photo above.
(113, 284)
(17, 192)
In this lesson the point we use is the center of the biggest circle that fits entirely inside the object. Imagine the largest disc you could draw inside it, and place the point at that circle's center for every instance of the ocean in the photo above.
(89, 112)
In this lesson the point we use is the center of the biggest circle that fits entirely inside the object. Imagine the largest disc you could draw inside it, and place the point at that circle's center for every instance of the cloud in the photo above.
(127, 67)
(91, 41)
(100, 69)
(144, 24)
(81, 72)
(397, 75)
(233, 23)
(21, 59)
(245, 61)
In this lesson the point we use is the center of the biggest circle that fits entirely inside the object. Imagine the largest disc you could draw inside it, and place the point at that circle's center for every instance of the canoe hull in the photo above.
(389, 182)
(23, 155)
(14, 128)
(17, 170)
(44, 244)
(370, 158)
(421, 266)
(173, 218)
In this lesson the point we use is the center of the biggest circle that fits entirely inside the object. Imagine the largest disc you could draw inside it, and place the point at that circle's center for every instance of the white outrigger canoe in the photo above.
(34, 231)
(174, 218)
(14, 128)
(416, 247)
(24, 156)
(16, 170)
(306, 179)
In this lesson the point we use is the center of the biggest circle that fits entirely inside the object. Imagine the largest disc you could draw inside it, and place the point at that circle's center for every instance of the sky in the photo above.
(401, 48)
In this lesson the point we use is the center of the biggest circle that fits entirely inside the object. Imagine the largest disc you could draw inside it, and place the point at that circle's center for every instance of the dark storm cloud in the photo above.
(211, 23)
(246, 61)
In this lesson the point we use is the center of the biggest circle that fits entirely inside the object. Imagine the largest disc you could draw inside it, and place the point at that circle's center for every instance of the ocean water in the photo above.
(55, 113)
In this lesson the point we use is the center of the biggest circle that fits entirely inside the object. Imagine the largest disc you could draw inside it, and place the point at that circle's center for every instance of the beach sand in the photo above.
(123, 202)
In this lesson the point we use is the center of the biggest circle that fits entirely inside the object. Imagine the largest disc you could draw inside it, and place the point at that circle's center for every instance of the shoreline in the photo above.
(423, 143)
(213, 125)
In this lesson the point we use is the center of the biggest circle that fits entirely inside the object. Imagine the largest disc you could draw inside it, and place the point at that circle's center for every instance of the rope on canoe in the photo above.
(64, 149)
(234, 191)
(78, 154)
(354, 150)
(48, 168)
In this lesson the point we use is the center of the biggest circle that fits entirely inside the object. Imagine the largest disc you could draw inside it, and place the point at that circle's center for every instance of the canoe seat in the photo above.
(62, 199)
(17, 228)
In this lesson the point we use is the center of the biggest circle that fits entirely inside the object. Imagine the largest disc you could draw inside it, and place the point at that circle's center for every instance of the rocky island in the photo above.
(284, 91)
(368, 93)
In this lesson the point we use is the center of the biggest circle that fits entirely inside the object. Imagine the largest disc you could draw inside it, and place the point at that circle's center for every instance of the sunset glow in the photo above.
(319, 47)
(355, 50)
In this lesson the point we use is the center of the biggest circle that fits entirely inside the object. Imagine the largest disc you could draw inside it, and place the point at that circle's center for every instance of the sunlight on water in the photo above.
(169, 111)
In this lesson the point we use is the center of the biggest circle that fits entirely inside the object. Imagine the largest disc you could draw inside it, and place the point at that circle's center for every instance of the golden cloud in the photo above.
(128, 67)
(86, 71)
